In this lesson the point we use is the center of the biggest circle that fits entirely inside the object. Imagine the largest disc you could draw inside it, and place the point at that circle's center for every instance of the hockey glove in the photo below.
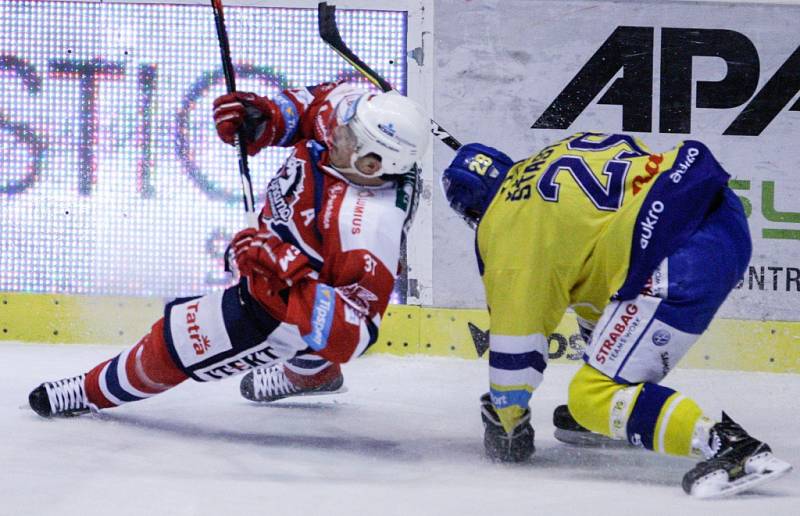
(499, 444)
(263, 253)
(258, 118)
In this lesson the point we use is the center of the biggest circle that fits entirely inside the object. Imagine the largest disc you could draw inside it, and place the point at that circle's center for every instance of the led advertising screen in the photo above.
(112, 178)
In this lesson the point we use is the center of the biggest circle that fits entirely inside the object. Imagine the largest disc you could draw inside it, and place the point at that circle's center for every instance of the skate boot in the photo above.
(737, 462)
(276, 382)
(570, 431)
(500, 445)
(62, 398)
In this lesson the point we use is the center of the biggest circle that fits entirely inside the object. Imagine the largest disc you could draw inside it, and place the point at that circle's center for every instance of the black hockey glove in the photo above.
(499, 445)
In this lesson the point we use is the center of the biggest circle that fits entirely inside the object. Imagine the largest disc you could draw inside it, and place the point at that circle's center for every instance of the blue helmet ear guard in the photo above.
(473, 178)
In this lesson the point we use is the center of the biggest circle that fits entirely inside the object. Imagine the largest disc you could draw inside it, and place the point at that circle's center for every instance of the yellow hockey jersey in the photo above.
(584, 220)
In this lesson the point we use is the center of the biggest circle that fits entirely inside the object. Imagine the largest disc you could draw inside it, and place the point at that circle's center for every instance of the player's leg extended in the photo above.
(139, 372)
(637, 342)
(207, 338)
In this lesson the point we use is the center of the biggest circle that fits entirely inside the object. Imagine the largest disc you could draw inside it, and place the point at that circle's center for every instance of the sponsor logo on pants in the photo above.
(621, 329)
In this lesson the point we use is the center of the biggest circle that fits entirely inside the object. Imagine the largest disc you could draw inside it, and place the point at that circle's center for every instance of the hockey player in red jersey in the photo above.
(315, 276)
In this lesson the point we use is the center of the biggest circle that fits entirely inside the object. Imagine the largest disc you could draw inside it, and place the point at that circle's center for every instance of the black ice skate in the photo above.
(62, 398)
(740, 462)
(275, 383)
(500, 445)
(571, 432)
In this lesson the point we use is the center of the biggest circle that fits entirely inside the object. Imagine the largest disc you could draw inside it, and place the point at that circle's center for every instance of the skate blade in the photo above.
(716, 485)
(588, 439)
(340, 390)
(93, 411)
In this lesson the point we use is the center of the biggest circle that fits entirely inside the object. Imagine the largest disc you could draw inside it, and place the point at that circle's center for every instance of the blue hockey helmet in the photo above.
(473, 178)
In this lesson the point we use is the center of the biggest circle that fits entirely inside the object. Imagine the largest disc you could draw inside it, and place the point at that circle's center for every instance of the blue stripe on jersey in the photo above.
(315, 150)
(291, 118)
(517, 361)
(503, 399)
(644, 416)
(112, 382)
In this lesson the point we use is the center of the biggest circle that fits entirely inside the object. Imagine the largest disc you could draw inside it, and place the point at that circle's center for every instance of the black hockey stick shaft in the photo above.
(230, 83)
(330, 35)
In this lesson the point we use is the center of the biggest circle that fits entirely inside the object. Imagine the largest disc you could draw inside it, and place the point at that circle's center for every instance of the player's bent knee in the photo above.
(154, 362)
(599, 403)
(639, 340)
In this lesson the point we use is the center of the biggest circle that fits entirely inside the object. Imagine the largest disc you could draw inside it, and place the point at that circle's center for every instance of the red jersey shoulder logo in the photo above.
(284, 190)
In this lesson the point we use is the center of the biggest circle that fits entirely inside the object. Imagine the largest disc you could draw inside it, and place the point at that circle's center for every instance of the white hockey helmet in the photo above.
(391, 126)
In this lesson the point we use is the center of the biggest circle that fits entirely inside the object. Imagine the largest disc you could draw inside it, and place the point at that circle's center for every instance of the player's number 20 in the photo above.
(606, 197)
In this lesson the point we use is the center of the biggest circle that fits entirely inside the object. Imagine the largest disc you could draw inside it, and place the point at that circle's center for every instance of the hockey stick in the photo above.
(230, 83)
(330, 35)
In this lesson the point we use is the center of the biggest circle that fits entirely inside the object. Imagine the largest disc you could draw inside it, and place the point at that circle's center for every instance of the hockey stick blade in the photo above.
(329, 32)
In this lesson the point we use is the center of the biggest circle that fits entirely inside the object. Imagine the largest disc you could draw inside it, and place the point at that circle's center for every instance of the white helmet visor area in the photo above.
(389, 126)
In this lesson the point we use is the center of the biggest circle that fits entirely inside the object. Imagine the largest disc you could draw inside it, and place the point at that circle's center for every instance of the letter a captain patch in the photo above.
(321, 318)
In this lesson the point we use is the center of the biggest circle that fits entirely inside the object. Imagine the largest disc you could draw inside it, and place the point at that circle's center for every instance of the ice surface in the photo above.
(404, 440)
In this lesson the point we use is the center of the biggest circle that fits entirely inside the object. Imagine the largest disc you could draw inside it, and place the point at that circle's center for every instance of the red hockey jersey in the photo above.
(350, 233)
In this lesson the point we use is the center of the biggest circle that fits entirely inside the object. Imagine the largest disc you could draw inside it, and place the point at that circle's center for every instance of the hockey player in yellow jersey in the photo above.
(644, 247)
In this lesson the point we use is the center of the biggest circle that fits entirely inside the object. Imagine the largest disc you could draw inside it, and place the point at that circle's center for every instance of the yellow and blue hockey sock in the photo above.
(649, 415)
